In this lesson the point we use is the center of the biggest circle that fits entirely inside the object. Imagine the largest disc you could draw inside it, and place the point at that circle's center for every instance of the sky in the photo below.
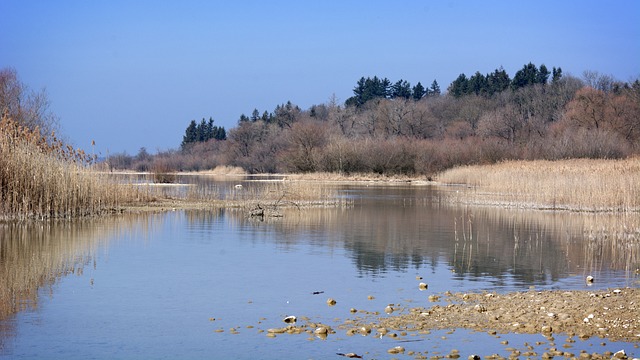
(132, 74)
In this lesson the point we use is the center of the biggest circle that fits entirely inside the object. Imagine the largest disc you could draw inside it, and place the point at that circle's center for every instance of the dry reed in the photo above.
(268, 199)
(580, 185)
(41, 178)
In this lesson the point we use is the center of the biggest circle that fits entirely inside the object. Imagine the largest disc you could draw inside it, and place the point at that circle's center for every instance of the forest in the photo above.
(394, 128)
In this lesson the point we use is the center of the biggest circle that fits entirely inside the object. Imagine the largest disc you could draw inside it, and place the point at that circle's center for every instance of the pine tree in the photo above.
(557, 75)
(418, 91)
(401, 88)
(255, 115)
(498, 81)
(460, 86)
(190, 134)
(528, 75)
(434, 90)
(478, 84)
(543, 75)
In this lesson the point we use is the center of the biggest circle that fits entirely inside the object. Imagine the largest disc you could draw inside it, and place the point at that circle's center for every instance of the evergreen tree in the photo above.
(434, 90)
(367, 89)
(210, 129)
(418, 91)
(255, 115)
(478, 84)
(459, 87)
(401, 88)
(557, 75)
(201, 131)
(266, 117)
(528, 75)
(543, 75)
(498, 81)
(190, 135)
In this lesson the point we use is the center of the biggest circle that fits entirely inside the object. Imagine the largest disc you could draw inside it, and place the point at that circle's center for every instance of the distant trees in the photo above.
(368, 89)
(202, 132)
(395, 128)
(617, 112)
(499, 81)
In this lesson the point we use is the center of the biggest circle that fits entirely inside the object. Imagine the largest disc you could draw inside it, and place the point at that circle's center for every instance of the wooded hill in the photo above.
(395, 128)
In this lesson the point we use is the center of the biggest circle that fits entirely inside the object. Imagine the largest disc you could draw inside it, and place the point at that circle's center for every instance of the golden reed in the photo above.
(43, 178)
(577, 184)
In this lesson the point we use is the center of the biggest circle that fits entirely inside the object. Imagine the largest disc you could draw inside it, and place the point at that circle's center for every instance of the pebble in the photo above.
(396, 350)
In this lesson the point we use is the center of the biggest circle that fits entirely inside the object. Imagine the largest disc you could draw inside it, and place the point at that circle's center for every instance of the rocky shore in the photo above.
(614, 313)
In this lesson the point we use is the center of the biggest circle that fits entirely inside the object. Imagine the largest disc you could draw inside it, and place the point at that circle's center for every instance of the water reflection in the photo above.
(198, 264)
(407, 228)
(35, 255)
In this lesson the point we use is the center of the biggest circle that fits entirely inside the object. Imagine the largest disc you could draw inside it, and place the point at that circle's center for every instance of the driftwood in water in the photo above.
(260, 212)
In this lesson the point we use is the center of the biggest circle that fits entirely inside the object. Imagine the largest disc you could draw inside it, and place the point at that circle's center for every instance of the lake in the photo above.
(193, 284)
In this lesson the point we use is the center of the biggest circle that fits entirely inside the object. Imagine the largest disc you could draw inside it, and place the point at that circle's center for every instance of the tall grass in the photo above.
(44, 178)
(580, 185)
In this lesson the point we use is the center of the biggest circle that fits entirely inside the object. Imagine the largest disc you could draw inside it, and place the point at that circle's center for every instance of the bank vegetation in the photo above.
(43, 178)
(392, 129)
(588, 185)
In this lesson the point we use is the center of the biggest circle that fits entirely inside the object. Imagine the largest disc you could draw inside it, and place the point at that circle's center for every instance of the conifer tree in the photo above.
(190, 134)
(418, 91)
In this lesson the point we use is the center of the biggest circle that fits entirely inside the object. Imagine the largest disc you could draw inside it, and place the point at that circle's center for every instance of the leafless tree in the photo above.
(25, 106)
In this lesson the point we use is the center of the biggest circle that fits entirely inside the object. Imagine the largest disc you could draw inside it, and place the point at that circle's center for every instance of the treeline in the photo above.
(388, 128)
(499, 81)
(202, 132)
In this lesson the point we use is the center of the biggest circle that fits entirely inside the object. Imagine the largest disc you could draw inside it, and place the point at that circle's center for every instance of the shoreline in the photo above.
(583, 314)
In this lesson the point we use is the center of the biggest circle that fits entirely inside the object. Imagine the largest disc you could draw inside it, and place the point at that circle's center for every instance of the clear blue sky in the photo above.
(129, 74)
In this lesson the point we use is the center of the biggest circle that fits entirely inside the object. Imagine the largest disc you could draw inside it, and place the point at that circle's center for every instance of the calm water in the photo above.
(150, 286)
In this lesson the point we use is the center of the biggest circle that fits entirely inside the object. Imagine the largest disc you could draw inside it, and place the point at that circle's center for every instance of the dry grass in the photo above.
(296, 193)
(42, 178)
(338, 177)
(226, 170)
(579, 185)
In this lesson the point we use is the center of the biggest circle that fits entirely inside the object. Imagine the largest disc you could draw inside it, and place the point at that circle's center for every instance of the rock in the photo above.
(396, 350)
(365, 330)
(290, 319)
(350, 355)
(620, 354)
(480, 308)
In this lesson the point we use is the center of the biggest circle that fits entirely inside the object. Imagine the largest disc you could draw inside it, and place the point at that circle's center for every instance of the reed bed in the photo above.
(578, 185)
(299, 194)
(266, 200)
(44, 178)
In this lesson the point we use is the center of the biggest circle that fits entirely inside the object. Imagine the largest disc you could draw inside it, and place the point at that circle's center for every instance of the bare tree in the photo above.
(24, 106)
(305, 139)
